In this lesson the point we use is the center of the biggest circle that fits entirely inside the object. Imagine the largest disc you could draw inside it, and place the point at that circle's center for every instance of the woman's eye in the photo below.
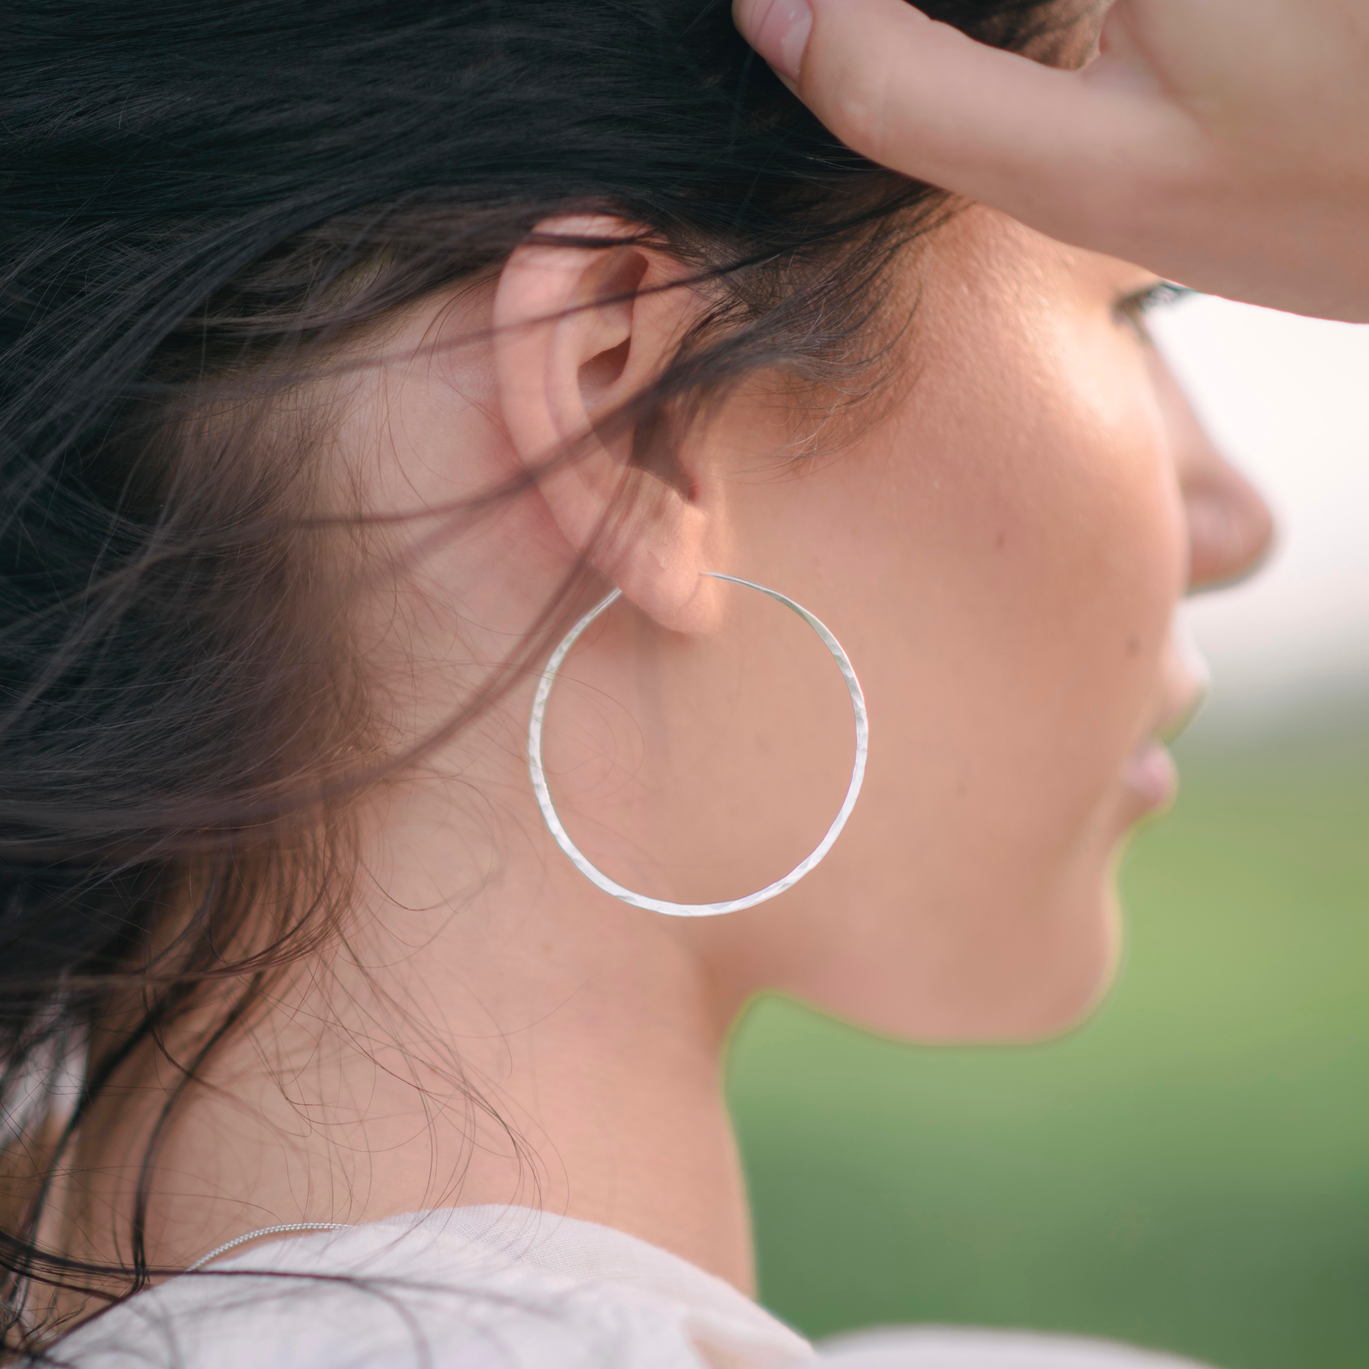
(1133, 309)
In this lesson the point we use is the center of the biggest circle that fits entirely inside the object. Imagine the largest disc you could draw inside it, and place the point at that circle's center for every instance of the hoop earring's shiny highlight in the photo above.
(659, 905)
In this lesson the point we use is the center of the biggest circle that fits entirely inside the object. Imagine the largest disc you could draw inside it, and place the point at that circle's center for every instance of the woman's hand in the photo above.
(1222, 143)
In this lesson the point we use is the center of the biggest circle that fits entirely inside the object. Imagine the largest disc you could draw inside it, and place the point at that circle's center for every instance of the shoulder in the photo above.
(937, 1347)
(428, 1292)
(506, 1288)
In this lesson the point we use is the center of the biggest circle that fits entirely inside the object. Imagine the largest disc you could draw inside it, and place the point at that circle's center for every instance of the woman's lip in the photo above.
(1183, 707)
(1189, 680)
(1194, 673)
(1152, 775)
(1150, 772)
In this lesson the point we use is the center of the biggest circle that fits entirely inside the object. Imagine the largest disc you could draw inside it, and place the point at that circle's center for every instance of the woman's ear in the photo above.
(578, 332)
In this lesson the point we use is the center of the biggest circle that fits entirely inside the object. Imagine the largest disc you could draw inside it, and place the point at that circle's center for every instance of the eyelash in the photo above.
(1162, 295)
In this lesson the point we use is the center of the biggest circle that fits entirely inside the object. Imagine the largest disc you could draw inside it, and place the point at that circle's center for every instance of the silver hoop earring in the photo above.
(660, 905)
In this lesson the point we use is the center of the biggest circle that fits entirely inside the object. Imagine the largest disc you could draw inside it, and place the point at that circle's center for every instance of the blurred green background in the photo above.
(1189, 1171)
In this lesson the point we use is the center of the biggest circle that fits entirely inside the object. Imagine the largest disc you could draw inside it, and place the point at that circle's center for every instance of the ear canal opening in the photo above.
(650, 442)
(654, 451)
(606, 369)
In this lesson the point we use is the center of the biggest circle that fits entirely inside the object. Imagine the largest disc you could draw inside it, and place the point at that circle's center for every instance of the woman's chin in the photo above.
(1045, 988)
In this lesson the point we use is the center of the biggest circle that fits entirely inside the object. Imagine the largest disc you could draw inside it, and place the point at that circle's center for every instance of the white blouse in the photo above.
(506, 1288)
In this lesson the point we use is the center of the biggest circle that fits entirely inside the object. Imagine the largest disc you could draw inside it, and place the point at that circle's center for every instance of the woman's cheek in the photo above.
(1071, 557)
(1132, 566)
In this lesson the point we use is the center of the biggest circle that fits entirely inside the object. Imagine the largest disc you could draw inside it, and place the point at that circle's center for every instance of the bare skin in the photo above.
(1000, 553)
(1224, 144)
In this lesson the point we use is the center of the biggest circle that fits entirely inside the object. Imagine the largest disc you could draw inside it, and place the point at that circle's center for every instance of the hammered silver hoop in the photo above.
(659, 905)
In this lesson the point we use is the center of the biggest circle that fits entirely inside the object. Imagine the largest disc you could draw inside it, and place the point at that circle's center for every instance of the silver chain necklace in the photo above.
(264, 1231)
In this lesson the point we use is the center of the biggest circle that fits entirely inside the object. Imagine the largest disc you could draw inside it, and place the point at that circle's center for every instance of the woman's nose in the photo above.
(1230, 527)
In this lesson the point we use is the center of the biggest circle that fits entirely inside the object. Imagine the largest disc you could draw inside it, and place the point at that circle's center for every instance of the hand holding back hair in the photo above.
(1225, 144)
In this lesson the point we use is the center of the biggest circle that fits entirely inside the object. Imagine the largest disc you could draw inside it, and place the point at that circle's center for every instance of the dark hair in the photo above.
(195, 200)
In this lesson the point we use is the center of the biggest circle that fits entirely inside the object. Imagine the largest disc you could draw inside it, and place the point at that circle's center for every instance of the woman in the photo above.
(354, 353)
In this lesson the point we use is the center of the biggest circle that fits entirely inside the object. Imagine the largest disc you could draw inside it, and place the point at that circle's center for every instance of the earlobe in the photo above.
(580, 330)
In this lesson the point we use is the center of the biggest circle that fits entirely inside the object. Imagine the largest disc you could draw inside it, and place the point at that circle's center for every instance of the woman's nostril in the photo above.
(1230, 533)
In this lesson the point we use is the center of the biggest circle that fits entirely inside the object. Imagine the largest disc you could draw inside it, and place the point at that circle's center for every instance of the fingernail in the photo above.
(778, 30)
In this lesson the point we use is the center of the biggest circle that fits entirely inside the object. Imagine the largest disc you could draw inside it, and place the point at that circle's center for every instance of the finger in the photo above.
(1046, 145)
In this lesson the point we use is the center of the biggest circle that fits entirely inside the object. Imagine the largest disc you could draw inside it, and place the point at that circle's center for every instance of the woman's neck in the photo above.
(490, 1031)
